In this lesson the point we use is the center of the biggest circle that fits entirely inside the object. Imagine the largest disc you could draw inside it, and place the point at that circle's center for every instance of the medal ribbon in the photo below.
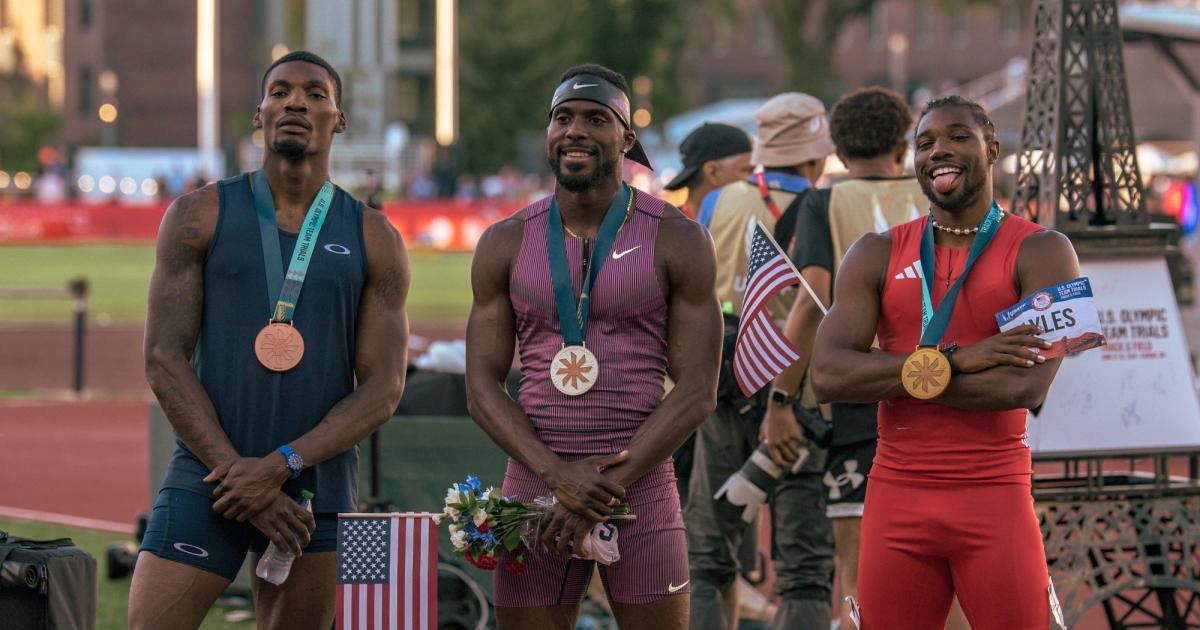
(935, 322)
(574, 329)
(285, 292)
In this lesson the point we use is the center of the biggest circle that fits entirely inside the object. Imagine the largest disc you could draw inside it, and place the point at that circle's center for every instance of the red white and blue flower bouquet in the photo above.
(485, 524)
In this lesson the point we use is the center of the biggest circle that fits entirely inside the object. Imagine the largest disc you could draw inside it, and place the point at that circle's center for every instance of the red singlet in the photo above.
(922, 440)
(948, 509)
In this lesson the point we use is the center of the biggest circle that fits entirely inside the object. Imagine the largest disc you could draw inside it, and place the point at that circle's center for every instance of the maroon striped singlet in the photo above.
(627, 331)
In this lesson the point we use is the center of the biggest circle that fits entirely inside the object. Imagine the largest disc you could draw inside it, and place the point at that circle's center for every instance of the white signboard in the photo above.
(1137, 393)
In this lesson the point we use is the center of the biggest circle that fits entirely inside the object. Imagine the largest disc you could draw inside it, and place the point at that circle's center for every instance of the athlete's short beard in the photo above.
(953, 203)
(582, 182)
(289, 147)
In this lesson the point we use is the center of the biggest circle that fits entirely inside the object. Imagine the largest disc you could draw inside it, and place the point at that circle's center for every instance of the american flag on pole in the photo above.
(387, 572)
(762, 352)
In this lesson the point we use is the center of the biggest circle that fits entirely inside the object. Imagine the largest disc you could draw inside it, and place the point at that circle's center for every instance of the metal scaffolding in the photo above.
(1077, 167)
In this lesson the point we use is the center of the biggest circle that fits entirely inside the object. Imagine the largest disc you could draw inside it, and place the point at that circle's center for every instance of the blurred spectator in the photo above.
(422, 187)
(371, 190)
(50, 187)
(466, 188)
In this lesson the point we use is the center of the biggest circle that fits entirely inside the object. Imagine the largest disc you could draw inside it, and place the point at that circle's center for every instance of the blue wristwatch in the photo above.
(294, 462)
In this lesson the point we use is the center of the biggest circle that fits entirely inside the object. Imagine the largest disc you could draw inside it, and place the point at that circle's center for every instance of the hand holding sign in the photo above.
(1065, 312)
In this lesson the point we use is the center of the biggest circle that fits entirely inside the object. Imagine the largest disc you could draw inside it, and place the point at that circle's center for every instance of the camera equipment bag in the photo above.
(46, 584)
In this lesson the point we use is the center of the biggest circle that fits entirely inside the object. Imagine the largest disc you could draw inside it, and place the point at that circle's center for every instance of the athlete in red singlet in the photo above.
(948, 509)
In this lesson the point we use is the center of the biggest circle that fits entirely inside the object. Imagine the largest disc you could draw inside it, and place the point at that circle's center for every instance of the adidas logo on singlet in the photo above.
(913, 270)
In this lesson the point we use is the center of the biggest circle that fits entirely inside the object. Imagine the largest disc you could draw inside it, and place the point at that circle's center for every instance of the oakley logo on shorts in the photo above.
(191, 550)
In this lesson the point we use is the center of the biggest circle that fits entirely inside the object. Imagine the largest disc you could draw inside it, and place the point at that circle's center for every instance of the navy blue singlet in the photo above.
(260, 409)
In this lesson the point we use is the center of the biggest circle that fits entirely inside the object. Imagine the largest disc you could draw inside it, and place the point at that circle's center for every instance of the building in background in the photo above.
(31, 37)
(140, 60)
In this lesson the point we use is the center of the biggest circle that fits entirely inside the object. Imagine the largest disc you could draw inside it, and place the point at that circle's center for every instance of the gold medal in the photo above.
(574, 370)
(279, 346)
(926, 373)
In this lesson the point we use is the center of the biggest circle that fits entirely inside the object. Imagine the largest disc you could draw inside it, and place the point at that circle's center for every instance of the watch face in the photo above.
(294, 462)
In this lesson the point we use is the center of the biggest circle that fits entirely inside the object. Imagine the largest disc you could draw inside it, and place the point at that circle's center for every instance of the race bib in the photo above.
(1067, 314)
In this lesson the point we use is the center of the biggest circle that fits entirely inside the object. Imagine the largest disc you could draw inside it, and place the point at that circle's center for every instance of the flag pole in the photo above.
(788, 260)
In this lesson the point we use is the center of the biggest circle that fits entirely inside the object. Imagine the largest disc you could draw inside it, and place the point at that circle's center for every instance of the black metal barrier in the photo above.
(1123, 533)
(76, 289)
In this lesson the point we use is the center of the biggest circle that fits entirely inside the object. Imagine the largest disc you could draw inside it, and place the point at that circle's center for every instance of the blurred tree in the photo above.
(808, 30)
(514, 52)
(26, 124)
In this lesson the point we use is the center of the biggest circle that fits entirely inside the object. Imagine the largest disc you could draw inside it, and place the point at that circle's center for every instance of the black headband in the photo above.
(589, 87)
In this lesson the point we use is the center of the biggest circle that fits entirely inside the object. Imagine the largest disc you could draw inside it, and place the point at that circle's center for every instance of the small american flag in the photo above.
(762, 352)
(387, 572)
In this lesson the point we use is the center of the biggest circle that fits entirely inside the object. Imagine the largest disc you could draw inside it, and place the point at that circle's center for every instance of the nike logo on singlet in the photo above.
(671, 588)
(619, 255)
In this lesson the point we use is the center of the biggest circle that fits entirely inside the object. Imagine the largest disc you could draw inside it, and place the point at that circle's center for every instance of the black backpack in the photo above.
(46, 584)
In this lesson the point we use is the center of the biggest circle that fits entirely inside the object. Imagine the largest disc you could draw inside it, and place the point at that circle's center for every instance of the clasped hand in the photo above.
(285, 523)
(782, 434)
(580, 487)
(565, 531)
(246, 486)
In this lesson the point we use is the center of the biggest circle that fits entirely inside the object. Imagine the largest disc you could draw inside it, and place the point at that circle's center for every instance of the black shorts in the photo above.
(845, 479)
(183, 527)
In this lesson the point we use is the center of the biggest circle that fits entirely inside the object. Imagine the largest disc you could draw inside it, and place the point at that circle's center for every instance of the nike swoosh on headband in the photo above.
(583, 85)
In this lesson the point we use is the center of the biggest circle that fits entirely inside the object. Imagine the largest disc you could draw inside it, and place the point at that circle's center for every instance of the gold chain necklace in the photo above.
(628, 211)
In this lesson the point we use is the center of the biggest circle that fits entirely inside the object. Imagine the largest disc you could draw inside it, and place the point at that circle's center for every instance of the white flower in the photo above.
(493, 493)
(452, 496)
(453, 529)
(437, 518)
(452, 513)
(459, 540)
(480, 517)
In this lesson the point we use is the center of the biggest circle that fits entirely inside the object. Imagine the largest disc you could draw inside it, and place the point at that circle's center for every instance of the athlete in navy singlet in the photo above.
(257, 418)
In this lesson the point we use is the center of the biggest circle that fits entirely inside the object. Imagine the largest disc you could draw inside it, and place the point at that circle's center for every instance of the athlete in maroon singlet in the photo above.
(948, 509)
(652, 312)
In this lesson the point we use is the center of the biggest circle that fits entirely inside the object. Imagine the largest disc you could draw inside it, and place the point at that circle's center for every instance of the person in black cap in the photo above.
(605, 289)
(713, 155)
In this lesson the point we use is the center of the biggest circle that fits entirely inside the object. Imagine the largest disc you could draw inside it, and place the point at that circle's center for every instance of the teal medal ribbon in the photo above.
(284, 292)
(934, 322)
(574, 329)
(279, 346)
(574, 369)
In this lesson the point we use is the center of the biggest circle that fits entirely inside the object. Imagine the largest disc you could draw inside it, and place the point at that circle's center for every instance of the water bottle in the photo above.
(275, 564)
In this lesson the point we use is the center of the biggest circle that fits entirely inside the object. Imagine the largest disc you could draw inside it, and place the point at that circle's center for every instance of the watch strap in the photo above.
(948, 349)
(782, 398)
(293, 460)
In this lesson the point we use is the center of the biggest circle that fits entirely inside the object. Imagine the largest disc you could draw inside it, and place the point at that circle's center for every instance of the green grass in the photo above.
(120, 274)
(114, 594)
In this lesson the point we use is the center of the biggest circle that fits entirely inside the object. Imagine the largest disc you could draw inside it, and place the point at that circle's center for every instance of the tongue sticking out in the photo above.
(943, 183)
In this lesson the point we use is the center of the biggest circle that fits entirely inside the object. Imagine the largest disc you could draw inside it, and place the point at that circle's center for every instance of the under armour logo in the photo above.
(851, 476)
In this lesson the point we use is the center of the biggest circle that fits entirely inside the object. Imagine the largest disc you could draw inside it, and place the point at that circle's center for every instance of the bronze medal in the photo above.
(574, 370)
(926, 373)
(279, 346)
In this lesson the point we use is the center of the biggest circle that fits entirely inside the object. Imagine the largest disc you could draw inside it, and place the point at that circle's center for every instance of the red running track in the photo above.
(77, 463)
